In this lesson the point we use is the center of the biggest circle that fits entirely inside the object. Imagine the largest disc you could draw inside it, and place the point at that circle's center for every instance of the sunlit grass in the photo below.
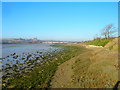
(99, 42)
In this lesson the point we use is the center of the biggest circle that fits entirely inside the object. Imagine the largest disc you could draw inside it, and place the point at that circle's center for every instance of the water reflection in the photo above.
(20, 56)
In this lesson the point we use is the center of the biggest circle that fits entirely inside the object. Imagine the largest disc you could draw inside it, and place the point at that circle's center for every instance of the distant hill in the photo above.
(35, 40)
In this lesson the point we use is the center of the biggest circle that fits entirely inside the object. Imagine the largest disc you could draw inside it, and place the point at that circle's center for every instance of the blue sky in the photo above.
(72, 21)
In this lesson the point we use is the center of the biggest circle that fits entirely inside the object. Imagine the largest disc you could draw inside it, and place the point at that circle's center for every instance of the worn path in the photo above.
(63, 75)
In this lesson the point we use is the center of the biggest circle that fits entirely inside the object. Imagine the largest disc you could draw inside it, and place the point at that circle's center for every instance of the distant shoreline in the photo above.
(33, 43)
(21, 43)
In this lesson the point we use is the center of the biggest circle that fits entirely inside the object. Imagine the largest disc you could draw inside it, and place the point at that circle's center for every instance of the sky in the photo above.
(68, 21)
(60, 0)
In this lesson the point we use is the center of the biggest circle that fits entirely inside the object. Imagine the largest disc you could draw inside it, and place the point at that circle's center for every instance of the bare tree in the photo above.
(104, 33)
(108, 31)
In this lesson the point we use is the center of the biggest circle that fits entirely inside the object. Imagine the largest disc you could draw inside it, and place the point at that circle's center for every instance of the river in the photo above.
(10, 51)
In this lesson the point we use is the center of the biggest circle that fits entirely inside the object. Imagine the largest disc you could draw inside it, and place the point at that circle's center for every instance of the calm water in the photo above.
(8, 49)
(22, 50)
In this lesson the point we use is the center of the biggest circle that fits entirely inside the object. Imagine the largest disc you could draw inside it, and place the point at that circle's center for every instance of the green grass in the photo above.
(99, 42)
(41, 75)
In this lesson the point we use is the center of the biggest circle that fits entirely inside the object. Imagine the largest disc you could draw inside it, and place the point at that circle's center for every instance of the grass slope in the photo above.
(99, 42)
(92, 68)
(96, 69)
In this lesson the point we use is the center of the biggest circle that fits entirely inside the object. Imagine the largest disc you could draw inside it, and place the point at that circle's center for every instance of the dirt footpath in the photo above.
(63, 75)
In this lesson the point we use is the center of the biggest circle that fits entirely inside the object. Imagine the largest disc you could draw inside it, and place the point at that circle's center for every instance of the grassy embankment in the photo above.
(96, 69)
(41, 75)
(99, 67)
(93, 68)
(99, 42)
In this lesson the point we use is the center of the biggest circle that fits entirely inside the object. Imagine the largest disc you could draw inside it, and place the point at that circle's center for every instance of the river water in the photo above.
(22, 50)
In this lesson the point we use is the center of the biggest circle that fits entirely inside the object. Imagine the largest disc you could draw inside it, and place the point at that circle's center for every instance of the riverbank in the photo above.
(76, 66)
(96, 67)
